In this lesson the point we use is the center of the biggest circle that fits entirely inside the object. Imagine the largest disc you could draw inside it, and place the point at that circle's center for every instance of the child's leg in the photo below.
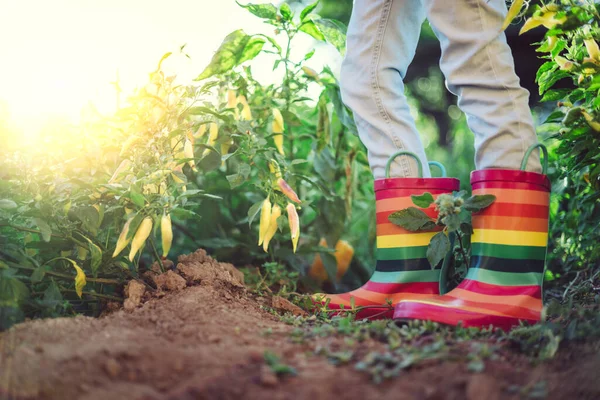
(479, 69)
(382, 38)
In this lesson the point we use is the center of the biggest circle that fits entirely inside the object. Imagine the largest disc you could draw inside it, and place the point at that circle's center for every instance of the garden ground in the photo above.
(201, 334)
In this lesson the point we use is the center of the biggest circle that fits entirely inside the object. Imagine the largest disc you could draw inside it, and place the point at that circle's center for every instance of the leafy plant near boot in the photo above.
(569, 78)
(453, 215)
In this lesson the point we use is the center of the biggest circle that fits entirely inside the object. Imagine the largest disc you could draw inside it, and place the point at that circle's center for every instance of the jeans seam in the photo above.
(383, 20)
(512, 100)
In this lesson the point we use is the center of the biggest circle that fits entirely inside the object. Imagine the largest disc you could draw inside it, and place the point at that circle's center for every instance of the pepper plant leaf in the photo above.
(423, 200)
(235, 49)
(265, 11)
(437, 249)
(479, 202)
(412, 219)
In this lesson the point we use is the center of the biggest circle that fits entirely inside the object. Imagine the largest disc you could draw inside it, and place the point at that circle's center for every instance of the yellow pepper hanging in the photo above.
(275, 213)
(140, 237)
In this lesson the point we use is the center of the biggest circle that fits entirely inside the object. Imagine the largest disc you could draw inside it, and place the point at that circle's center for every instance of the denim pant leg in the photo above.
(479, 69)
(381, 42)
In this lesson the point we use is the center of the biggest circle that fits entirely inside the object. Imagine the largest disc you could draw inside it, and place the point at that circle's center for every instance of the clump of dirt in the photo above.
(196, 332)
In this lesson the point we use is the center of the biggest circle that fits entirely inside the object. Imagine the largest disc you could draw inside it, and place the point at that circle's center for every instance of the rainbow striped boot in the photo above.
(504, 283)
(402, 270)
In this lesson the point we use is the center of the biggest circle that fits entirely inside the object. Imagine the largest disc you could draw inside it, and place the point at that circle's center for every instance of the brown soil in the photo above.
(203, 335)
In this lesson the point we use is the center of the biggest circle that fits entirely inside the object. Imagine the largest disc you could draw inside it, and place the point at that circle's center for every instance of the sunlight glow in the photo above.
(60, 56)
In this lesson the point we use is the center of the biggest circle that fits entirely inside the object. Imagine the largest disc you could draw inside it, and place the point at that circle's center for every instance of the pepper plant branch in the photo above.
(70, 277)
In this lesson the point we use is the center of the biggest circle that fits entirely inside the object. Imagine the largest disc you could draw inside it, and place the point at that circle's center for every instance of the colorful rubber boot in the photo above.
(504, 283)
(402, 270)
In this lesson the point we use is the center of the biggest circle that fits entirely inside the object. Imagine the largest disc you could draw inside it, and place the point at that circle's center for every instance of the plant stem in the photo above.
(30, 230)
(160, 264)
(102, 296)
(71, 277)
(462, 249)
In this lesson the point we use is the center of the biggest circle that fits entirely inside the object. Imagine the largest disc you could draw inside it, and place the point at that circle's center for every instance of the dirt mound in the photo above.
(196, 332)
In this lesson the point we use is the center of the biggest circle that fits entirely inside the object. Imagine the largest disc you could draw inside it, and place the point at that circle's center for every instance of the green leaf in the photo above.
(330, 264)
(308, 9)
(12, 290)
(7, 204)
(235, 180)
(96, 255)
(452, 221)
(44, 229)
(52, 294)
(437, 249)
(38, 274)
(334, 33)
(266, 11)
(235, 49)
(210, 161)
(325, 165)
(423, 200)
(479, 202)
(311, 29)
(411, 219)
(253, 211)
(136, 197)
(286, 12)
(466, 228)
(323, 124)
(556, 94)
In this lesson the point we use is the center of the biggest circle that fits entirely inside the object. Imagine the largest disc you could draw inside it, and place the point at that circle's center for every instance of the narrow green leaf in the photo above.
(330, 264)
(96, 256)
(308, 9)
(253, 211)
(423, 200)
(411, 219)
(437, 249)
(44, 229)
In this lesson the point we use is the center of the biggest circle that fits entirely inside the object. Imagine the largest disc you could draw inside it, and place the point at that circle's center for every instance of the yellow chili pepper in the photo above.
(188, 152)
(274, 168)
(278, 127)
(140, 237)
(310, 72)
(514, 10)
(124, 165)
(246, 112)
(287, 190)
(200, 132)
(545, 16)
(122, 242)
(232, 101)
(213, 134)
(275, 213)
(592, 48)
(294, 222)
(265, 215)
(166, 232)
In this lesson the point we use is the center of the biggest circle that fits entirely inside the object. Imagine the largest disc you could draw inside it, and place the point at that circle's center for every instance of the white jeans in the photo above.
(476, 62)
